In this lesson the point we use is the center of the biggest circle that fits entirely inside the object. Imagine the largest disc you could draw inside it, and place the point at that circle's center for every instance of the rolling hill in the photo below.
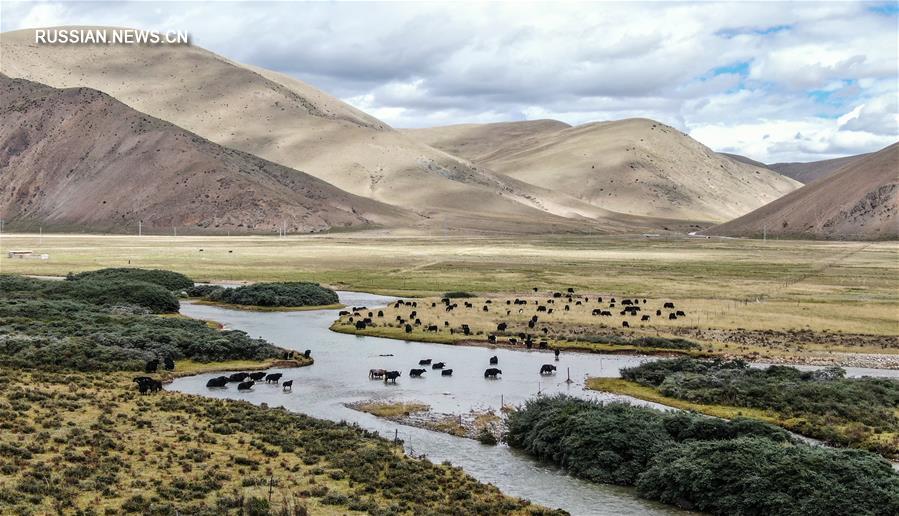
(859, 201)
(634, 166)
(807, 172)
(290, 123)
(77, 158)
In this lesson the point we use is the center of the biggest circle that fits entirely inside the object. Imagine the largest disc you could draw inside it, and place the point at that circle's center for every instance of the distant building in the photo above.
(27, 254)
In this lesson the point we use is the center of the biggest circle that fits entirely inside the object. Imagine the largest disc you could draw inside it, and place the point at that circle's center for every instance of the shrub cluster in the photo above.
(66, 334)
(642, 342)
(699, 463)
(822, 397)
(111, 292)
(275, 294)
(168, 279)
(104, 325)
(458, 295)
(203, 290)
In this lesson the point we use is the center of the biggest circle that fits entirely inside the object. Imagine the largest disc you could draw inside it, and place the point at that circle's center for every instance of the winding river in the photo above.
(340, 375)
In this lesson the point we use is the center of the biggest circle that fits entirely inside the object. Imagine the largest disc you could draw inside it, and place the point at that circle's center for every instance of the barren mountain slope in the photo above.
(77, 158)
(807, 172)
(860, 201)
(291, 123)
(744, 159)
(634, 166)
(475, 142)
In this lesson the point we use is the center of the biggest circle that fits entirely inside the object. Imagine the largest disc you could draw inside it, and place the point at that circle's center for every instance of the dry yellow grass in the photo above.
(777, 330)
(88, 442)
(832, 286)
(388, 409)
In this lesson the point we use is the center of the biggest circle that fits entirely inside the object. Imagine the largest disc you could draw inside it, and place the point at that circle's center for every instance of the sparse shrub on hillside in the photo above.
(276, 294)
(168, 279)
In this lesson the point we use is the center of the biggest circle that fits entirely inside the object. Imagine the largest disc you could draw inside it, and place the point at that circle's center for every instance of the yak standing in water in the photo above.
(492, 373)
(219, 381)
(238, 377)
(245, 386)
(416, 373)
(287, 386)
(546, 369)
(494, 360)
(391, 376)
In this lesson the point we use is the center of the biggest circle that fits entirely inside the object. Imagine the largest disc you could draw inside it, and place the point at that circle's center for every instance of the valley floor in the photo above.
(797, 300)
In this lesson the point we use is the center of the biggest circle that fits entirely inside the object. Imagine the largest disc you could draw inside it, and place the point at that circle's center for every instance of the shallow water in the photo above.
(340, 375)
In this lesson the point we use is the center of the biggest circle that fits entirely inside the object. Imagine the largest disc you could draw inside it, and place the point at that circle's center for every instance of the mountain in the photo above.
(77, 158)
(475, 142)
(293, 124)
(859, 201)
(745, 160)
(634, 166)
(808, 172)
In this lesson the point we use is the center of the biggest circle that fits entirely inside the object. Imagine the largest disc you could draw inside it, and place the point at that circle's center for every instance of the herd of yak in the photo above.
(490, 372)
(628, 307)
(244, 381)
(358, 317)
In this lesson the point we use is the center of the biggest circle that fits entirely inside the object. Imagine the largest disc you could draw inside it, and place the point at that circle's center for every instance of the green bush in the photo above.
(83, 325)
(751, 475)
(153, 297)
(458, 295)
(821, 396)
(117, 292)
(168, 279)
(701, 463)
(276, 294)
(202, 290)
(643, 342)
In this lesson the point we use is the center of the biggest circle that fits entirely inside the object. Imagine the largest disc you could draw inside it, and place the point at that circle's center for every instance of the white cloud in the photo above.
(744, 77)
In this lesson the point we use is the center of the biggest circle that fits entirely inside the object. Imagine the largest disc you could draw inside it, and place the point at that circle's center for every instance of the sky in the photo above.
(776, 82)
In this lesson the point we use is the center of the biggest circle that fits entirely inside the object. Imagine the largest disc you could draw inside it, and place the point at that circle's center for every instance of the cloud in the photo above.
(743, 77)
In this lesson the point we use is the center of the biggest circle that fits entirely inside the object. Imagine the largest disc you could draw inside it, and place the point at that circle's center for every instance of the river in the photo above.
(340, 375)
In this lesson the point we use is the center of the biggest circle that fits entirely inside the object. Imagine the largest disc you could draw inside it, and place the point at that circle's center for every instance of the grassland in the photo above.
(570, 325)
(728, 285)
(88, 443)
